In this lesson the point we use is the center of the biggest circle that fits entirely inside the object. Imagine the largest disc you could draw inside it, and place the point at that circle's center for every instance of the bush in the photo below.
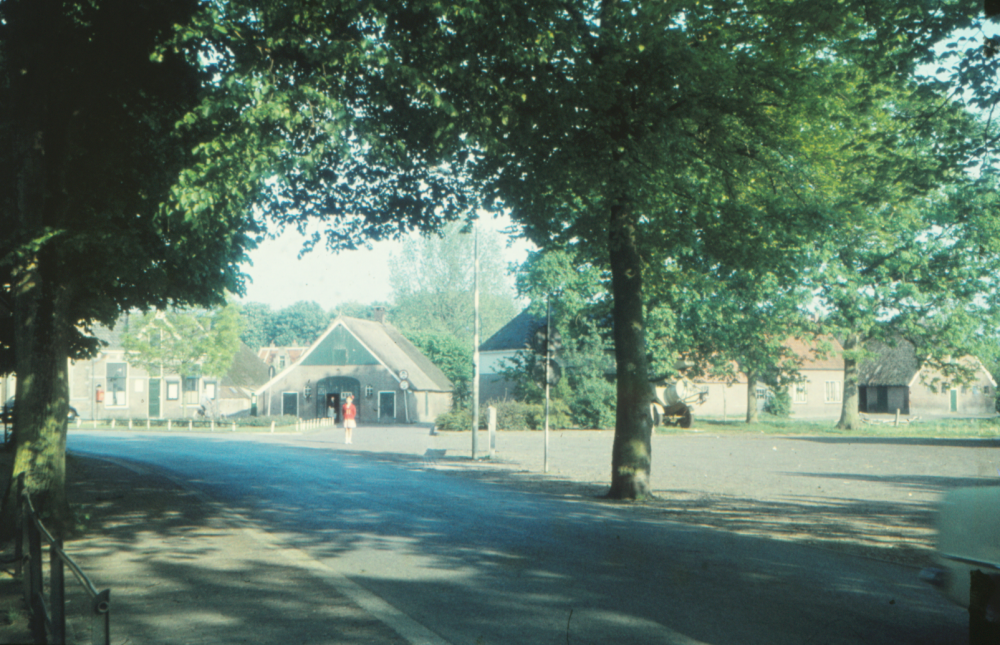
(594, 403)
(779, 404)
(511, 415)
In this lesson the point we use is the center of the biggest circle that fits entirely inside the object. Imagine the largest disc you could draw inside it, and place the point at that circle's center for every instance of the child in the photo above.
(349, 413)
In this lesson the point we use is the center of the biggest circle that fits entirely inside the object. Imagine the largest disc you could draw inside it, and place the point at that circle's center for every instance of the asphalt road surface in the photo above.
(475, 561)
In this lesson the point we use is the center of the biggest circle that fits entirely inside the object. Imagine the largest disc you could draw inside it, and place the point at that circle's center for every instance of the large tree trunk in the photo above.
(850, 417)
(42, 319)
(751, 397)
(632, 451)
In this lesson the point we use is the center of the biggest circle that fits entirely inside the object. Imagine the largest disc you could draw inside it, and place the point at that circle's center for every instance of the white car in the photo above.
(968, 540)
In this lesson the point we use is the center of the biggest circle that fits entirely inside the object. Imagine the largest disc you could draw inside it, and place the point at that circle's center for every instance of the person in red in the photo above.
(349, 412)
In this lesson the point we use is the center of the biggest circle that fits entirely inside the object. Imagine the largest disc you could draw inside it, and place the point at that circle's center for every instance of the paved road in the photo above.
(474, 560)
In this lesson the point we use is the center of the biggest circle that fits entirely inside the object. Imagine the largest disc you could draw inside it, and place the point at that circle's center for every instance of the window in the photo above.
(833, 392)
(117, 377)
(761, 392)
(800, 393)
(281, 362)
(210, 390)
(173, 390)
(369, 391)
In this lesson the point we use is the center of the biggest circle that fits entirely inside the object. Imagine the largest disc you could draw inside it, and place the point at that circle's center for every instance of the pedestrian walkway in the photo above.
(182, 569)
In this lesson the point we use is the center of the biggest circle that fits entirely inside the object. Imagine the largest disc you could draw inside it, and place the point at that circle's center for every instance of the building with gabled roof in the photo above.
(390, 379)
(109, 386)
(893, 378)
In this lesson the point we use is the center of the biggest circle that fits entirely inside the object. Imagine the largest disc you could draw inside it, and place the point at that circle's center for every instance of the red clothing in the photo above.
(349, 411)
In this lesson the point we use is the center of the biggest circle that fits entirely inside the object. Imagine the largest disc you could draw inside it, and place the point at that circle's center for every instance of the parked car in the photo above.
(8, 412)
(968, 539)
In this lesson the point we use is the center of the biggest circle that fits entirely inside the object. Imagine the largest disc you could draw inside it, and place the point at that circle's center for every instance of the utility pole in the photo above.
(548, 366)
(475, 347)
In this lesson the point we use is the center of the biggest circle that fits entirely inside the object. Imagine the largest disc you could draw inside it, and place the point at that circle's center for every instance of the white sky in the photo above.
(280, 279)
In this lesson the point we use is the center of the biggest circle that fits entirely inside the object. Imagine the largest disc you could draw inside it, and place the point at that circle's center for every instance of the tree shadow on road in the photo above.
(184, 569)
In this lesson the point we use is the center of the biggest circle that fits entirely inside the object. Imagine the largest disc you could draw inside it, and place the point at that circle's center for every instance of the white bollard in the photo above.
(272, 426)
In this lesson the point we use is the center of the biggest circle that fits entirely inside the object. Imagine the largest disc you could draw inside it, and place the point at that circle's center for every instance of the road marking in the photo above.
(410, 630)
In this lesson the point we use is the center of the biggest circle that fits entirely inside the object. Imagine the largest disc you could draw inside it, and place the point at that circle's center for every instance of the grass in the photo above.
(929, 428)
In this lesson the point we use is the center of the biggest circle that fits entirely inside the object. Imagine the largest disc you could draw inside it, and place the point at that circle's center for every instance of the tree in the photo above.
(927, 273)
(285, 111)
(432, 284)
(256, 320)
(90, 157)
(191, 344)
(581, 318)
(298, 324)
(617, 124)
(451, 357)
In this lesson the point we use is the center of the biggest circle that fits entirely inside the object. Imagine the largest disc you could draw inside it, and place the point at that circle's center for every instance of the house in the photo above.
(498, 351)
(391, 380)
(107, 386)
(818, 395)
(893, 378)
(278, 358)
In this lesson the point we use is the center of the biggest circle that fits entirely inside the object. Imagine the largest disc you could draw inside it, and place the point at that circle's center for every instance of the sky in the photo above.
(280, 279)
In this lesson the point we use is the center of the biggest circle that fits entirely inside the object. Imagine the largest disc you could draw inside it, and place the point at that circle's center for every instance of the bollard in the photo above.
(147, 423)
(212, 426)
(130, 423)
(272, 426)
(112, 424)
(234, 426)
(190, 425)
(492, 425)
(896, 422)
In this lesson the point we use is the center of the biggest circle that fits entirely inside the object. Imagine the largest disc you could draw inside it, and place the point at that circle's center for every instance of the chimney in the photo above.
(378, 315)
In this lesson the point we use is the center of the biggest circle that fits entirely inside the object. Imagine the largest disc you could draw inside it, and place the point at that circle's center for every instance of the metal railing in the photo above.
(48, 619)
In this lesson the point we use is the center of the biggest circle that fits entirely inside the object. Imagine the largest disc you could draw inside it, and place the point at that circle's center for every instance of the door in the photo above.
(154, 398)
(883, 399)
(386, 406)
(290, 403)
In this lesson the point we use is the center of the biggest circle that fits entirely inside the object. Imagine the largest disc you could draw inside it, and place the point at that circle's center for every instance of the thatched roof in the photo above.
(888, 364)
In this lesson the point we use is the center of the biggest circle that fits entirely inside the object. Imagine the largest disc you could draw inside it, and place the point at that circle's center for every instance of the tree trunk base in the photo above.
(630, 487)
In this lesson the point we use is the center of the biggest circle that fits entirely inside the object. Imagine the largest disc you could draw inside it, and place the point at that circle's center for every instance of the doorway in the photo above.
(333, 401)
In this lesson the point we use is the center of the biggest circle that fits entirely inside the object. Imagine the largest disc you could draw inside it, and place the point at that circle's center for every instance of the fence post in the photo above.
(57, 593)
(35, 599)
(100, 628)
(19, 530)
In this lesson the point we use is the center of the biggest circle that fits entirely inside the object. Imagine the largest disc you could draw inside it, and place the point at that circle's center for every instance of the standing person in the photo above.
(349, 412)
